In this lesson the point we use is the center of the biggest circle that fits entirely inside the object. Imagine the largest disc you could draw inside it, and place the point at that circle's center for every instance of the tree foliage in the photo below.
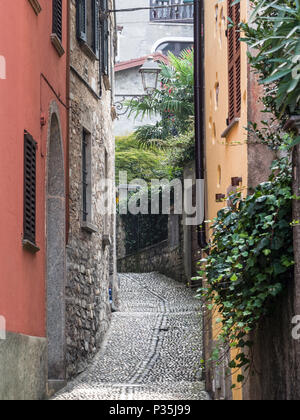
(173, 102)
(138, 162)
(273, 34)
(180, 150)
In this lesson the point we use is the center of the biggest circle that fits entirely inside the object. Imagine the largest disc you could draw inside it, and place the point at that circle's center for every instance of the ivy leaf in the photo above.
(295, 142)
(234, 278)
(216, 354)
(267, 252)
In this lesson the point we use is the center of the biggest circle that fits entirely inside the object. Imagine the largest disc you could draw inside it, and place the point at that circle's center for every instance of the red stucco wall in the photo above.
(25, 43)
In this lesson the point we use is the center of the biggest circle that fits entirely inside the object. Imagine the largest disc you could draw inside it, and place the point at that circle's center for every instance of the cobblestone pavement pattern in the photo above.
(153, 349)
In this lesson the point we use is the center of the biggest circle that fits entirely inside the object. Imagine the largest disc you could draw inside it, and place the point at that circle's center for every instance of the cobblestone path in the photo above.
(153, 349)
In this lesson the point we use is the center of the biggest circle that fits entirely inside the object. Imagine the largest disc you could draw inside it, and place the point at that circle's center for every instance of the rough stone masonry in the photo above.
(91, 248)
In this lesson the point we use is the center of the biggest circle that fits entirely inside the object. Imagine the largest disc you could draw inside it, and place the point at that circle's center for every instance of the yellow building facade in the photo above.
(231, 102)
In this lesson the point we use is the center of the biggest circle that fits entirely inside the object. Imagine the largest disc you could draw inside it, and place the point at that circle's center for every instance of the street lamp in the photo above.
(150, 72)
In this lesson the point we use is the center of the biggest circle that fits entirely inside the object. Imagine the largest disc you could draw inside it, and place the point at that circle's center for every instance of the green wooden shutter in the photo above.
(96, 11)
(81, 20)
(104, 38)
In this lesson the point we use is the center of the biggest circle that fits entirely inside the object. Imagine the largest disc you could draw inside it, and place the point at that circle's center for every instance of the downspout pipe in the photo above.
(68, 123)
(199, 103)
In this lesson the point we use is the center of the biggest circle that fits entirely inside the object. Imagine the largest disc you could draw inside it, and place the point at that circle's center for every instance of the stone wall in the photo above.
(23, 367)
(165, 257)
(276, 354)
(91, 262)
(160, 258)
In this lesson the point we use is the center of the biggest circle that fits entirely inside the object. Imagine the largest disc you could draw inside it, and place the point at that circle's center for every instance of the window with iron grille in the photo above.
(182, 11)
(57, 18)
(29, 188)
(86, 177)
(234, 63)
(88, 31)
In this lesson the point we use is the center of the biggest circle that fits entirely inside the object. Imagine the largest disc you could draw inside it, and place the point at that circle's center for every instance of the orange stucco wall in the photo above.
(27, 50)
(225, 157)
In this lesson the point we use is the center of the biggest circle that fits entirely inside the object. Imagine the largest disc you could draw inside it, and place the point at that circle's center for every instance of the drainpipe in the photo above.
(67, 198)
(199, 101)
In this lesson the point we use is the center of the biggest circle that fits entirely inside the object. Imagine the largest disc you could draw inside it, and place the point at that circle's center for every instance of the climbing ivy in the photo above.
(249, 260)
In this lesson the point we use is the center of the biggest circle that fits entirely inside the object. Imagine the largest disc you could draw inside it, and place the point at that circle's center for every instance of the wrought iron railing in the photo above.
(181, 11)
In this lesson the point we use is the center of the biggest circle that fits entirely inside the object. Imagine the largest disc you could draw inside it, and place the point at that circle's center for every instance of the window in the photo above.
(182, 12)
(86, 177)
(175, 47)
(88, 24)
(57, 18)
(234, 64)
(29, 188)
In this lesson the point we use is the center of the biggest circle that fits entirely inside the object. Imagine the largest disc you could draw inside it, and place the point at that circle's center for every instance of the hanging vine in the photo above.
(249, 261)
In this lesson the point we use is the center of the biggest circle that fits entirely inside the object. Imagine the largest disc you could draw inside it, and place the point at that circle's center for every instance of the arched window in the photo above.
(175, 47)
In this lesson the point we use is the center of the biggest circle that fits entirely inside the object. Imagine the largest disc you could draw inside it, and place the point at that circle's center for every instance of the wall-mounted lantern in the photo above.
(150, 72)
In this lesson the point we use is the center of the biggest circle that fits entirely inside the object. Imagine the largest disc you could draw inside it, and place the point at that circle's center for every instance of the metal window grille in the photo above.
(184, 13)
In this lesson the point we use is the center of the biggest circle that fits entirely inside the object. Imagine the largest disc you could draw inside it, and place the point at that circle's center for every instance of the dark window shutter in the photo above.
(84, 176)
(81, 20)
(234, 63)
(29, 187)
(96, 27)
(104, 38)
(57, 18)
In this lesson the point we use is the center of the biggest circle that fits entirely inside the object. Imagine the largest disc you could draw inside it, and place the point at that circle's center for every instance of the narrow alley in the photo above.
(153, 348)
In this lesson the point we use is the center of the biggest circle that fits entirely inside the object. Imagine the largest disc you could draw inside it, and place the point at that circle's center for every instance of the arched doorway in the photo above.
(55, 219)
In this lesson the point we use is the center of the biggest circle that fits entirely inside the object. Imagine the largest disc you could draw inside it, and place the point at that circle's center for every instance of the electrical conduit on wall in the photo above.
(2, 68)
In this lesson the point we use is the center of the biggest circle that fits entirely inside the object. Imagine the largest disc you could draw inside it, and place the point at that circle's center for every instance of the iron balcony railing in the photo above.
(181, 11)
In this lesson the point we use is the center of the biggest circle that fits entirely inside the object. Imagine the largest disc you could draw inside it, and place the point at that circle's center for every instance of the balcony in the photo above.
(182, 11)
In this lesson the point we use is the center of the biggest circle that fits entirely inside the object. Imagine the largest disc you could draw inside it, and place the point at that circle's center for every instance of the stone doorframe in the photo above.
(55, 247)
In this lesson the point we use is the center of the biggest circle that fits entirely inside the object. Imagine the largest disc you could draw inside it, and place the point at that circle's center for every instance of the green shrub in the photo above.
(139, 163)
